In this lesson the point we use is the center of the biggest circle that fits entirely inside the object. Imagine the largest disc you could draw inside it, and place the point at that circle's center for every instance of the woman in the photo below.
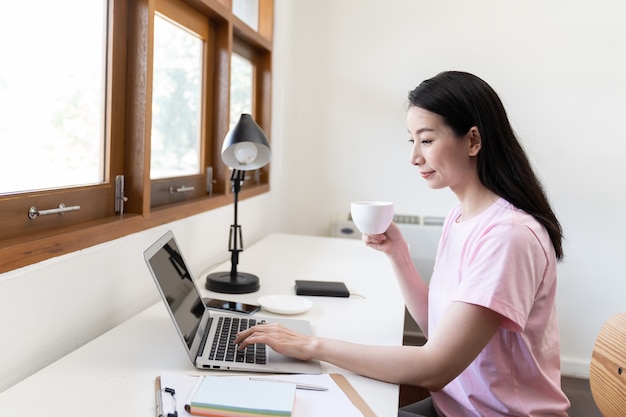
(489, 314)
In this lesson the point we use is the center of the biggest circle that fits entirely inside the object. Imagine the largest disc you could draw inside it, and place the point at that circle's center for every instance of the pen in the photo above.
(298, 385)
(159, 400)
(159, 404)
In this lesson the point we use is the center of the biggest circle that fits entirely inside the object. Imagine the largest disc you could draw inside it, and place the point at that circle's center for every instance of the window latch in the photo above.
(120, 198)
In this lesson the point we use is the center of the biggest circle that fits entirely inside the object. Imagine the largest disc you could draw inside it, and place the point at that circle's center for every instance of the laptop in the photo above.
(200, 328)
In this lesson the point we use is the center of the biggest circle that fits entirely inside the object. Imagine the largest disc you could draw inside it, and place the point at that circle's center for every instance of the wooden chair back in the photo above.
(607, 374)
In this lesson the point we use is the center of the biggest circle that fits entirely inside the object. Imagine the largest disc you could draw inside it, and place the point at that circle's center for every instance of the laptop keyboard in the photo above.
(223, 348)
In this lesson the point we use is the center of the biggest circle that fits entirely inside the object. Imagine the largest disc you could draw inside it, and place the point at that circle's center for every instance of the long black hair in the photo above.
(463, 100)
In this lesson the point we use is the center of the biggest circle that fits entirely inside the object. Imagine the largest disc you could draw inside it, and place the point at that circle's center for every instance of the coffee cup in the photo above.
(372, 217)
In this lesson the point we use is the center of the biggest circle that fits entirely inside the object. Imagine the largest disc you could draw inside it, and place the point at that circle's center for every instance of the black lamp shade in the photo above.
(245, 146)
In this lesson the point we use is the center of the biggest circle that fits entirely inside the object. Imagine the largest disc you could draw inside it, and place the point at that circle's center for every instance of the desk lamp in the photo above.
(245, 148)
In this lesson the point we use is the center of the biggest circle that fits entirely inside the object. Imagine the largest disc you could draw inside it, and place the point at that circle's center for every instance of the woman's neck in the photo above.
(474, 201)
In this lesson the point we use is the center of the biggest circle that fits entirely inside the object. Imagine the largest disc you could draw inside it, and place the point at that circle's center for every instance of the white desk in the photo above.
(114, 374)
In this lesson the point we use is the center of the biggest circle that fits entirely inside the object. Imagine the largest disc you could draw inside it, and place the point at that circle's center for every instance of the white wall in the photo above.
(559, 67)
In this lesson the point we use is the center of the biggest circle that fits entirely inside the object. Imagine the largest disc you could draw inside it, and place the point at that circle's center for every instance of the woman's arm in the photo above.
(413, 287)
(465, 329)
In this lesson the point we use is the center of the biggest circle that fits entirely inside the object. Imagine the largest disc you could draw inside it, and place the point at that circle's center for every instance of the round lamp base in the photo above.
(222, 282)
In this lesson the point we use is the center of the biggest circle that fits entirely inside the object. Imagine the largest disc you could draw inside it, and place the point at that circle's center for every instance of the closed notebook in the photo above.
(322, 288)
(216, 396)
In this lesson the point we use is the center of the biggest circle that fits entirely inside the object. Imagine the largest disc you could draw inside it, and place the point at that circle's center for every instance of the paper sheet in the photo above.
(333, 402)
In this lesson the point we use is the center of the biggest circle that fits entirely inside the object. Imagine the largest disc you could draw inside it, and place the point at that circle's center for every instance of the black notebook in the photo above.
(322, 288)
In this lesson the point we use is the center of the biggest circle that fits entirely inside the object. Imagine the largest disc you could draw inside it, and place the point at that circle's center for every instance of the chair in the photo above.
(607, 374)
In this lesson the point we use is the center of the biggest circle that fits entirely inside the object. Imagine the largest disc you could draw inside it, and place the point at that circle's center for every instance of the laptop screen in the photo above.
(177, 287)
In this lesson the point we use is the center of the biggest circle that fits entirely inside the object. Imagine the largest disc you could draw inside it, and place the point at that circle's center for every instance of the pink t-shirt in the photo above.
(503, 260)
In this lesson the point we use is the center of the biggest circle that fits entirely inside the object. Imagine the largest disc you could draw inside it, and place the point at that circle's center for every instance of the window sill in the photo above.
(23, 251)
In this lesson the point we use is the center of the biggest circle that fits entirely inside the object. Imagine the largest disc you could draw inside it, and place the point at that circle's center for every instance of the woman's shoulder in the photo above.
(505, 212)
(501, 215)
(517, 224)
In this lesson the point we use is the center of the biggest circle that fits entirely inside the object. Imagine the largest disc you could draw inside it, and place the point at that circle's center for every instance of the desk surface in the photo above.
(114, 374)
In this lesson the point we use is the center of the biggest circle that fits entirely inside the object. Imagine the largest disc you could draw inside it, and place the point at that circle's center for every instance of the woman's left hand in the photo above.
(279, 338)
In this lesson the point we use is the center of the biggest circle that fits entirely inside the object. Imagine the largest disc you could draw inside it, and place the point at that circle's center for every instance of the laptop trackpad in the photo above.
(287, 364)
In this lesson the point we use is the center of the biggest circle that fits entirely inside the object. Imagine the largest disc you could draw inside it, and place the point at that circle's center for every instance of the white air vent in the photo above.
(406, 219)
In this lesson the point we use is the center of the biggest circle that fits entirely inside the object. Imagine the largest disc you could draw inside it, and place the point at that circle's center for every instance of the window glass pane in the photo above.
(52, 79)
(241, 87)
(248, 11)
(176, 101)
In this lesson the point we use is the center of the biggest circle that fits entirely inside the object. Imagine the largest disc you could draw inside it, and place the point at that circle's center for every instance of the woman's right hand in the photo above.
(389, 242)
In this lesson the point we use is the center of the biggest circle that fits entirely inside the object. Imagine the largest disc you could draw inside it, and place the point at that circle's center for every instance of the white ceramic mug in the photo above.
(372, 217)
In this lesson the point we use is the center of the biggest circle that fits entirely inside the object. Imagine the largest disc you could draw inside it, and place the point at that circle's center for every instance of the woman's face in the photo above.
(443, 158)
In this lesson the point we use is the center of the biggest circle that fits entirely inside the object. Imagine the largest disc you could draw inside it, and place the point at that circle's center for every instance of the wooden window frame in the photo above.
(129, 119)
(160, 194)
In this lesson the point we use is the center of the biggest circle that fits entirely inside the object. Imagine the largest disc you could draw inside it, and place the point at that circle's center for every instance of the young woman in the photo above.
(489, 313)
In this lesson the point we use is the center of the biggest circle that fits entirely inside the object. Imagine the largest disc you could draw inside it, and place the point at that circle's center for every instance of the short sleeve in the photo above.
(505, 269)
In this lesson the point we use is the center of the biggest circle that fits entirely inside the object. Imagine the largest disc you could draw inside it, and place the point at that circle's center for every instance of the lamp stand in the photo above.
(234, 282)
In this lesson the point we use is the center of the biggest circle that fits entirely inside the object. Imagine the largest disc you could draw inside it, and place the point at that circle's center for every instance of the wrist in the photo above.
(400, 254)
(313, 347)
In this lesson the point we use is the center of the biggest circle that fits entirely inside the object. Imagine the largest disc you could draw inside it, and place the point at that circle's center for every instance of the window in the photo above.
(248, 11)
(243, 84)
(176, 101)
(241, 87)
(136, 92)
(56, 144)
(179, 93)
(53, 119)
